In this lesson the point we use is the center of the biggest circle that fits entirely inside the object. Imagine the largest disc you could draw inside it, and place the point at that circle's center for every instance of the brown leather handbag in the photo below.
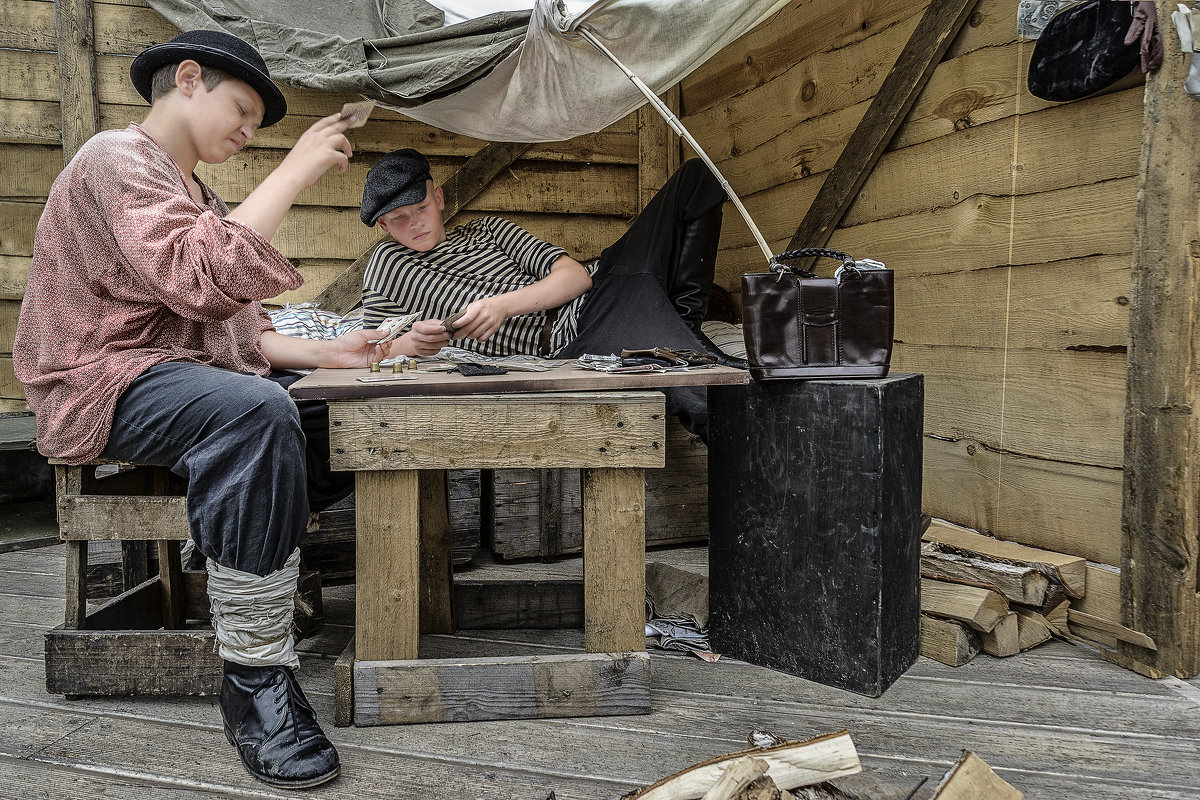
(797, 325)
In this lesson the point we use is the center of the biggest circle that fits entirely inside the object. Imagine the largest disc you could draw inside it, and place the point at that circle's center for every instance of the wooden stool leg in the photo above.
(437, 572)
(76, 575)
(69, 481)
(170, 577)
(135, 564)
(614, 560)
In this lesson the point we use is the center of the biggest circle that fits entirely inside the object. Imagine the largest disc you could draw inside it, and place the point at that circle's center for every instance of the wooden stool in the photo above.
(155, 637)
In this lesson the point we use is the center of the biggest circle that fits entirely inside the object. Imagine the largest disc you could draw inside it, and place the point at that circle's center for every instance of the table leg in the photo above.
(437, 572)
(614, 560)
(388, 559)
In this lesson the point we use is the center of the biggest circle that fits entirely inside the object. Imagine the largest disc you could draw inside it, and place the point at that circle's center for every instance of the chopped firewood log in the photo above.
(1020, 583)
(763, 788)
(972, 779)
(978, 607)
(1032, 628)
(947, 641)
(1057, 617)
(1094, 623)
(1056, 596)
(736, 776)
(1070, 571)
(791, 764)
(1004, 639)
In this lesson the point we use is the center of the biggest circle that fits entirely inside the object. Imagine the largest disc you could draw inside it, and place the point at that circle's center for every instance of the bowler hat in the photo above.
(397, 179)
(213, 49)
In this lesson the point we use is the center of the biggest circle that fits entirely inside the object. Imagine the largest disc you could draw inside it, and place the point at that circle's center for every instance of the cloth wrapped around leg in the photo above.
(266, 715)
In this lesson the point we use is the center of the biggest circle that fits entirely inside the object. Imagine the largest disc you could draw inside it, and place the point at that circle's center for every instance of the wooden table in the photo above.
(400, 437)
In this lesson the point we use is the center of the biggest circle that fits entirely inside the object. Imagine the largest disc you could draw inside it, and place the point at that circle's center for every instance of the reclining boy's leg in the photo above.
(675, 238)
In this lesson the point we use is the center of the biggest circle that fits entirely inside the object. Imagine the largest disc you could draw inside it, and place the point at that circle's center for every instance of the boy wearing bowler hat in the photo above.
(518, 294)
(142, 338)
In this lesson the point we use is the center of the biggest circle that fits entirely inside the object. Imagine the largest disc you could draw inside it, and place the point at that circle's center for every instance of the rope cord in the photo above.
(1012, 233)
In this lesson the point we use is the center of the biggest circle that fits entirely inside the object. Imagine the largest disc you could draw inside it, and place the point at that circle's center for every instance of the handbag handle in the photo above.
(807, 252)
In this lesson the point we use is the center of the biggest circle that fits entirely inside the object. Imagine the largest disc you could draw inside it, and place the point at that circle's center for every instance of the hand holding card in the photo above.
(448, 322)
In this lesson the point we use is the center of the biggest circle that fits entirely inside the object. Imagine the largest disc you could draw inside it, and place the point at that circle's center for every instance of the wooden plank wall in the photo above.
(579, 193)
(1009, 221)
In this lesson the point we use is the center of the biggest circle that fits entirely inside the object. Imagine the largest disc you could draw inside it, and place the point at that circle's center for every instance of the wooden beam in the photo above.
(345, 292)
(1161, 498)
(659, 149)
(505, 687)
(77, 74)
(925, 48)
(437, 577)
(614, 559)
(387, 510)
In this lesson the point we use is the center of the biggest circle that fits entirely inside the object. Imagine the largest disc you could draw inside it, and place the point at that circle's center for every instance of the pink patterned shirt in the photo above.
(128, 272)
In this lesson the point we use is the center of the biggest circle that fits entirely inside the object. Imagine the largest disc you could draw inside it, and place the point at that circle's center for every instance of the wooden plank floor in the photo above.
(1055, 722)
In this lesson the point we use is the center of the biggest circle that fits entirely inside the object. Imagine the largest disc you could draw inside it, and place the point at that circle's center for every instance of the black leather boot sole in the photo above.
(306, 783)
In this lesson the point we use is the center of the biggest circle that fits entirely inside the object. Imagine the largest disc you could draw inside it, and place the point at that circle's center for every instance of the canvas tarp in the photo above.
(509, 76)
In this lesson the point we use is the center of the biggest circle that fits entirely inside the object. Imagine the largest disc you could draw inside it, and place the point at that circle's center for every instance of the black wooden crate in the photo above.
(814, 546)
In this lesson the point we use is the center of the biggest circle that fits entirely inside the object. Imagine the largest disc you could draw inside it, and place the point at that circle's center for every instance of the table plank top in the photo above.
(343, 384)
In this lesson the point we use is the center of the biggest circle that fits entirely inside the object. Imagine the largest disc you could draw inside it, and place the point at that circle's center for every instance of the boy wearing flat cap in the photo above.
(519, 294)
(142, 338)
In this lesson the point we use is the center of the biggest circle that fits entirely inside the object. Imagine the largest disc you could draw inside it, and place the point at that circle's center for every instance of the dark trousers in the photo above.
(255, 461)
(632, 303)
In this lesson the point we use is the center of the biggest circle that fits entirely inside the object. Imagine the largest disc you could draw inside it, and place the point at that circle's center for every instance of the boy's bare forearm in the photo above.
(567, 280)
(264, 209)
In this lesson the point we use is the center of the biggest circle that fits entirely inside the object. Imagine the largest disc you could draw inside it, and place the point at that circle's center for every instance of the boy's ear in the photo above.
(187, 77)
(439, 198)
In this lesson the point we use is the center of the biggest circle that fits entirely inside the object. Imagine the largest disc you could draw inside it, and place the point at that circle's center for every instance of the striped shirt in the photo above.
(484, 258)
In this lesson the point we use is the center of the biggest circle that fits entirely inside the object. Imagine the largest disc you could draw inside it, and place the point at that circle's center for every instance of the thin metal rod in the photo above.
(677, 126)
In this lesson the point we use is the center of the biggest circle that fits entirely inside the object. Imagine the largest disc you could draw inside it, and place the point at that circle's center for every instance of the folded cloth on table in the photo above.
(307, 321)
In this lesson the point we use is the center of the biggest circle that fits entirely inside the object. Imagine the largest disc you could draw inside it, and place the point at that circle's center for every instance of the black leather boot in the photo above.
(268, 719)
(724, 359)
(692, 279)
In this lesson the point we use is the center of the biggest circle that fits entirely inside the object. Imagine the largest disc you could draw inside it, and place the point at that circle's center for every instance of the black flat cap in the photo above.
(397, 179)
(216, 49)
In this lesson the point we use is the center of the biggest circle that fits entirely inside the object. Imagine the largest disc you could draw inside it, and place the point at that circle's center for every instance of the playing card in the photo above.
(360, 111)
(393, 327)
(448, 322)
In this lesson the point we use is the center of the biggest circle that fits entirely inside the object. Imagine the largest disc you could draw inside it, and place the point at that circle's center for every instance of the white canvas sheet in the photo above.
(555, 85)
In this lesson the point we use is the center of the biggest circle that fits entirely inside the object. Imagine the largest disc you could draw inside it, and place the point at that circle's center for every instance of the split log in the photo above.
(1056, 597)
(1032, 628)
(1057, 617)
(1004, 639)
(1068, 570)
(949, 642)
(736, 777)
(791, 764)
(978, 607)
(1020, 583)
(971, 778)
(1120, 632)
